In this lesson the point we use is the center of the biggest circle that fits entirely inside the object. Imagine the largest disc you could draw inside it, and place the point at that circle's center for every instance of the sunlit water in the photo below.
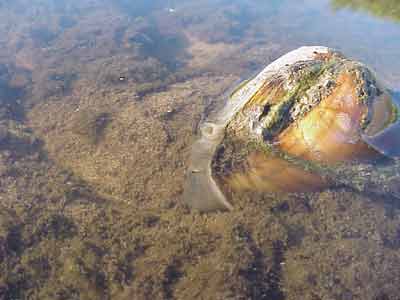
(100, 104)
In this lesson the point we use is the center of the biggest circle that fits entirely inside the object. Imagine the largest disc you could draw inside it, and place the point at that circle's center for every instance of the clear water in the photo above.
(100, 103)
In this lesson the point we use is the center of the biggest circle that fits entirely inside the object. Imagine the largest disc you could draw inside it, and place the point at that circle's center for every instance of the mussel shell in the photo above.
(342, 116)
(386, 140)
(352, 121)
(332, 131)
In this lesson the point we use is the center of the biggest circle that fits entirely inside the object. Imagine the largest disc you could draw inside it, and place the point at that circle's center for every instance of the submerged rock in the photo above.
(304, 121)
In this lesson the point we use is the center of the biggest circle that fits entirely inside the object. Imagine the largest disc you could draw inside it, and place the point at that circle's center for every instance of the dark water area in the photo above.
(100, 103)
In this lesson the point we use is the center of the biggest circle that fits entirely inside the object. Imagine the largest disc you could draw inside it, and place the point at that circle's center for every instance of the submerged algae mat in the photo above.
(60, 239)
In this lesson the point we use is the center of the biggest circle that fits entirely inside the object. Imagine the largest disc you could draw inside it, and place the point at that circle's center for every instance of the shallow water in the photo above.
(101, 103)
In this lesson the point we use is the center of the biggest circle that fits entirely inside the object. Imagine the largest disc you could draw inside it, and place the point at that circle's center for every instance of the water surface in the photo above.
(100, 104)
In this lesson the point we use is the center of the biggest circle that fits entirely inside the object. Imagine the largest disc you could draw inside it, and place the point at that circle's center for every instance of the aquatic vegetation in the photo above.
(91, 125)
(382, 8)
(168, 48)
(92, 173)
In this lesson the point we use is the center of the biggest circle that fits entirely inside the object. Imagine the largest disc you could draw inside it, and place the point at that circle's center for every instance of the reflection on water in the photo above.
(382, 8)
(100, 102)
(273, 174)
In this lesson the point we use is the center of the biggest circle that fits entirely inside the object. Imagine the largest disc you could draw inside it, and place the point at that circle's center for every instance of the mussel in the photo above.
(305, 120)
